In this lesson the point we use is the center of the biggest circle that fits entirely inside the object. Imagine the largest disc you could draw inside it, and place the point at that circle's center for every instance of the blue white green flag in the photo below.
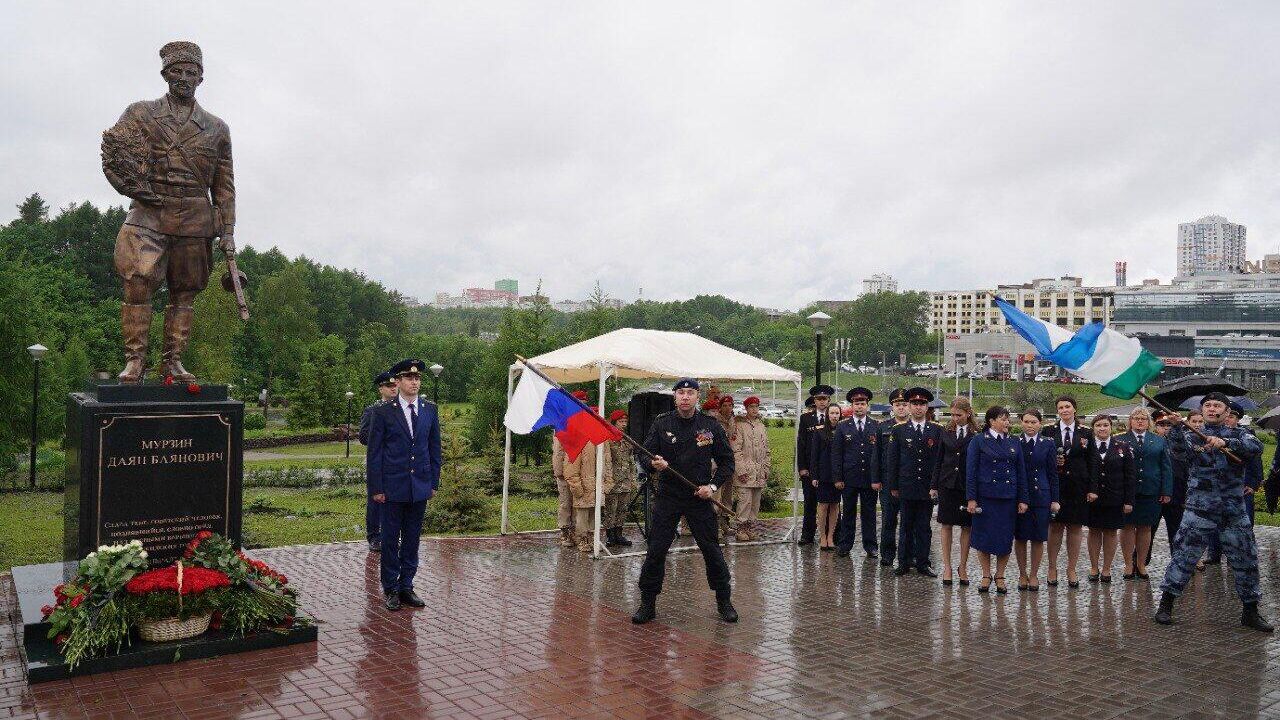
(1095, 353)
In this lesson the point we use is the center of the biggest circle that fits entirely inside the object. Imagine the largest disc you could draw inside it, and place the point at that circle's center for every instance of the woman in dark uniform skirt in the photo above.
(996, 490)
(1032, 528)
(948, 487)
(828, 492)
(1112, 485)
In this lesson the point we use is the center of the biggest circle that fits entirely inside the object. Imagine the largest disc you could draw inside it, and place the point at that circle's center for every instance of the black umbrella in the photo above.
(937, 403)
(1271, 401)
(1270, 421)
(1245, 402)
(1173, 393)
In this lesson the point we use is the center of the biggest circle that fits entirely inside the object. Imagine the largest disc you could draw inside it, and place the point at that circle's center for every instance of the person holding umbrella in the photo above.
(1215, 504)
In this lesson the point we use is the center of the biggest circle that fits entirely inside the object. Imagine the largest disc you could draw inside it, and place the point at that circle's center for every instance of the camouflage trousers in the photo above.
(614, 512)
(1198, 528)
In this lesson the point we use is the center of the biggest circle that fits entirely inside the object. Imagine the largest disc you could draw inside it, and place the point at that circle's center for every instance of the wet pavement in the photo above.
(515, 628)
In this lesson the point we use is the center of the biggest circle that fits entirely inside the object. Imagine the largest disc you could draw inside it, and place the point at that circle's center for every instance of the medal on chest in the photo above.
(704, 438)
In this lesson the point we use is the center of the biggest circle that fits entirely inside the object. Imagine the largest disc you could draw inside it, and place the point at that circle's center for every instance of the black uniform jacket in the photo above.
(689, 446)
(1114, 477)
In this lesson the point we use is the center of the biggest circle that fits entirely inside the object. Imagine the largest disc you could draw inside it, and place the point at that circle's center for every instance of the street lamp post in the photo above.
(819, 322)
(37, 351)
(349, 395)
(436, 369)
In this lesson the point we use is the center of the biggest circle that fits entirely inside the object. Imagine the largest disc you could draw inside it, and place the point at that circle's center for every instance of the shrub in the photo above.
(459, 505)
(255, 421)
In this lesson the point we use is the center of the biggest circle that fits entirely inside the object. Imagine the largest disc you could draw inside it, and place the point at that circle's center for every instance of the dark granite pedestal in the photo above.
(149, 462)
(34, 585)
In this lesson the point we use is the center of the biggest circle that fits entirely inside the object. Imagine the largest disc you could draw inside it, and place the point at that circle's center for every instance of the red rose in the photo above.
(287, 621)
(62, 637)
(168, 379)
(46, 611)
(215, 621)
(75, 601)
(193, 388)
(57, 591)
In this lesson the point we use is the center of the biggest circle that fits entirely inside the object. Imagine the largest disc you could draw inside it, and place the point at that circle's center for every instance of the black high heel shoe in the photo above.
(987, 587)
(1093, 577)
(1000, 588)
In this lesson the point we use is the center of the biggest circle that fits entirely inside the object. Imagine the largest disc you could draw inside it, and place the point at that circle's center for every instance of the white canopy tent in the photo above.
(643, 354)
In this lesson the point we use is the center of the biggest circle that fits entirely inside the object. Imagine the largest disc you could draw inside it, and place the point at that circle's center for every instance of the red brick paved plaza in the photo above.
(515, 628)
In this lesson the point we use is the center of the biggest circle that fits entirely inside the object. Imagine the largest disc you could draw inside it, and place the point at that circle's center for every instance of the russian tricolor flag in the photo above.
(536, 404)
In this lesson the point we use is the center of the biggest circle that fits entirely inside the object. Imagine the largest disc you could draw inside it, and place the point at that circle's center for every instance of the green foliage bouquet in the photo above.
(91, 614)
(260, 597)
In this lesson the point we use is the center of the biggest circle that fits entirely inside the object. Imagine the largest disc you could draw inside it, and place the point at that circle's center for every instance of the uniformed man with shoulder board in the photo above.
(386, 385)
(915, 447)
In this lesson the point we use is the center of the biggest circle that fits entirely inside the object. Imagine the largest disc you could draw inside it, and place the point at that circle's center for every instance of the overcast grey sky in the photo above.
(771, 152)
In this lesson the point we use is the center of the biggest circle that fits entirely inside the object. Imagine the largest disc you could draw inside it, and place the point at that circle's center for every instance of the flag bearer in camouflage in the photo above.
(1215, 504)
(624, 484)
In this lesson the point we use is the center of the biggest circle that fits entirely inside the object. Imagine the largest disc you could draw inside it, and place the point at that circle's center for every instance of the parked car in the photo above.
(1044, 378)
(746, 389)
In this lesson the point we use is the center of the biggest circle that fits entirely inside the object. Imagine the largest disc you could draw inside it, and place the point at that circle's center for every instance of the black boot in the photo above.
(647, 611)
(1164, 614)
(725, 608)
(608, 538)
(620, 539)
(1251, 619)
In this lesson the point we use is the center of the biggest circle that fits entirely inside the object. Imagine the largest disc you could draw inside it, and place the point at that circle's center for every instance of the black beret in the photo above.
(861, 392)
(382, 378)
(817, 390)
(408, 367)
(1220, 397)
(686, 383)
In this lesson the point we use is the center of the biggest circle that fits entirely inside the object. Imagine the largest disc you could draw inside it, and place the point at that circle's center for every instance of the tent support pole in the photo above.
(598, 546)
(506, 459)
(796, 490)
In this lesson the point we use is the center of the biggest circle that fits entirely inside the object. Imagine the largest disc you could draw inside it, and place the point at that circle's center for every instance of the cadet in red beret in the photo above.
(751, 464)
(618, 499)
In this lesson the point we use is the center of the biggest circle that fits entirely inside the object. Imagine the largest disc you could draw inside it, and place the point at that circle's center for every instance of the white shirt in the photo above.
(919, 426)
(1067, 432)
(404, 408)
(995, 434)
(860, 423)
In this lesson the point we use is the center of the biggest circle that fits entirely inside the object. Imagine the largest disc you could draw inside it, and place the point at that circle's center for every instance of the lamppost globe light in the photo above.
(436, 369)
(819, 321)
(348, 395)
(37, 351)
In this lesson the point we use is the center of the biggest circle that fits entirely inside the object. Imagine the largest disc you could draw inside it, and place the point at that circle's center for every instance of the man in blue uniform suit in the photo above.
(386, 385)
(915, 449)
(1215, 506)
(403, 463)
(856, 463)
(890, 508)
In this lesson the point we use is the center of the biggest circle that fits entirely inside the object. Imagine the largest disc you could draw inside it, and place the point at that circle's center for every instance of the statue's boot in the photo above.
(177, 331)
(135, 326)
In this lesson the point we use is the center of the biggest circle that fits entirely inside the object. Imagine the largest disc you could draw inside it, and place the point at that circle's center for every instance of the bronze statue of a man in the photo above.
(173, 159)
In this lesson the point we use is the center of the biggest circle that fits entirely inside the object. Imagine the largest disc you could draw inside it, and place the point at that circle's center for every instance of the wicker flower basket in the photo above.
(171, 629)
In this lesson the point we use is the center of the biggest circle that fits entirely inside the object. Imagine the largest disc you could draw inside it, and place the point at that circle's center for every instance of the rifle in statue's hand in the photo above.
(233, 282)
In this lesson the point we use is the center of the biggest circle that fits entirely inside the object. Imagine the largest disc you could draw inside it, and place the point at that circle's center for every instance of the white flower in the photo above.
(142, 554)
(102, 548)
(136, 543)
(91, 556)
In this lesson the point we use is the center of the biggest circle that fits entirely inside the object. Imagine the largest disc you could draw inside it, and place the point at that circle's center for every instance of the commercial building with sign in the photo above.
(1064, 301)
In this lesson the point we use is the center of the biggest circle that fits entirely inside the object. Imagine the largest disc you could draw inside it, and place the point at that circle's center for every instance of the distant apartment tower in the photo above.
(1211, 244)
(1122, 273)
(880, 282)
(507, 285)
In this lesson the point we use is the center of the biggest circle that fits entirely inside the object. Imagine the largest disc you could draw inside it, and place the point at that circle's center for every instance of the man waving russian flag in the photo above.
(537, 403)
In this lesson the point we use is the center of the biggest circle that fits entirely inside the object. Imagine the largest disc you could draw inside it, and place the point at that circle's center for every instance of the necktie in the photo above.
(960, 433)
(1102, 449)
(1066, 437)
(1140, 437)
(413, 418)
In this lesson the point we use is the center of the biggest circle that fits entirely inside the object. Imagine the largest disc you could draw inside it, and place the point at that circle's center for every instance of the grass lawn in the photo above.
(335, 449)
(31, 522)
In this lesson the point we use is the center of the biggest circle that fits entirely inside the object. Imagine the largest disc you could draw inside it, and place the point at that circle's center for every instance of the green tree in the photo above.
(286, 320)
(215, 329)
(33, 210)
(319, 396)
